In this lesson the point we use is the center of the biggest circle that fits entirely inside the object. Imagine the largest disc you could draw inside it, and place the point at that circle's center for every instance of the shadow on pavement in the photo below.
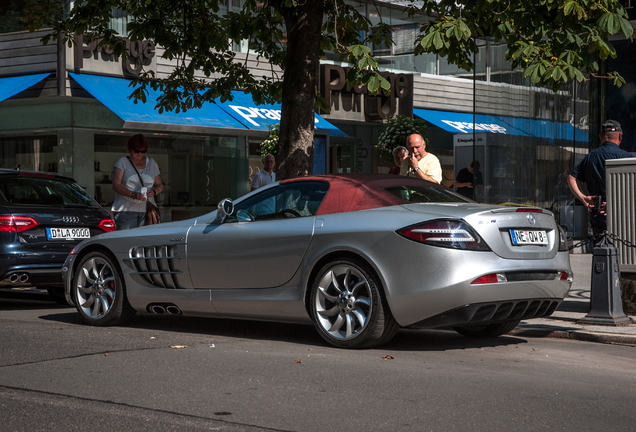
(12, 299)
(574, 306)
(303, 334)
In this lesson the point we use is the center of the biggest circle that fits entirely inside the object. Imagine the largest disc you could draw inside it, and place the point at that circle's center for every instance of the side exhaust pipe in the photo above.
(162, 308)
(173, 310)
(24, 278)
(14, 278)
(158, 309)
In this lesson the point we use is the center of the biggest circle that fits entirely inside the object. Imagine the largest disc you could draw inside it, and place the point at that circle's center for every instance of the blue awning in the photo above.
(114, 93)
(12, 86)
(240, 113)
(258, 117)
(459, 123)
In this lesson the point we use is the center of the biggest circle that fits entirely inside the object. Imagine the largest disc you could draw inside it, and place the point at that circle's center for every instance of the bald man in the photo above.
(420, 163)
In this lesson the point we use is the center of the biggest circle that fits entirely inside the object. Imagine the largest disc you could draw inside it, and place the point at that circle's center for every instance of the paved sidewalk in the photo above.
(563, 323)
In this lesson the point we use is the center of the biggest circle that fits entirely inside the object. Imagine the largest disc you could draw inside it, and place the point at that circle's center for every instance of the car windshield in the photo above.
(423, 194)
(43, 191)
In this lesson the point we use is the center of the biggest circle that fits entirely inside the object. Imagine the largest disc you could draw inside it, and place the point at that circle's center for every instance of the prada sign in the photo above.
(90, 55)
(356, 103)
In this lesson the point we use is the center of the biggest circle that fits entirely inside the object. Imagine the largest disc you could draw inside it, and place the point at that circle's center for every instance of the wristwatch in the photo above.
(416, 169)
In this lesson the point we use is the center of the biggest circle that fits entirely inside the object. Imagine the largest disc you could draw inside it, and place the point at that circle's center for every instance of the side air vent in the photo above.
(158, 265)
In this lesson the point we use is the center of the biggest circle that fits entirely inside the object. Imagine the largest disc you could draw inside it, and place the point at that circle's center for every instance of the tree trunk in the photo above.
(300, 83)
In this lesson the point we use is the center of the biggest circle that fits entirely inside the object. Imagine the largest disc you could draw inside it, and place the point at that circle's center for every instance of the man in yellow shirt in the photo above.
(420, 163)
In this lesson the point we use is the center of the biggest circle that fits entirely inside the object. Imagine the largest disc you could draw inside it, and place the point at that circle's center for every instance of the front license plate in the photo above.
(522, 237)
(67, 233)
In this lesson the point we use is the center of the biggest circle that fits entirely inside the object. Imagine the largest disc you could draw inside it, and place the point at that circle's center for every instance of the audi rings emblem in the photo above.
(71, 219)
(531, 219)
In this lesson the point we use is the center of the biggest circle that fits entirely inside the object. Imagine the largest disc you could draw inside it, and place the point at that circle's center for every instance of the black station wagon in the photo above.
(42, 217)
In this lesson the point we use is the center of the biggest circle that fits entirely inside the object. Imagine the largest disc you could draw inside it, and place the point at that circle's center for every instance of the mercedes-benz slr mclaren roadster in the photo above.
(359, 255)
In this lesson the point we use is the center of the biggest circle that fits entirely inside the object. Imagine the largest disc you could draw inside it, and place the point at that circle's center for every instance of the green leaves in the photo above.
(552, 41)
(374, 82)
(614, 23)
(616, 79)
(573, 7)
(610, 23)
(444, 34)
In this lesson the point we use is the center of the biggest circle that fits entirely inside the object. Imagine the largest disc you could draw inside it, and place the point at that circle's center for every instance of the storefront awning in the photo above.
(459, 123)
(114, 93)
(240, 113)
(12, 86)
(258, 117)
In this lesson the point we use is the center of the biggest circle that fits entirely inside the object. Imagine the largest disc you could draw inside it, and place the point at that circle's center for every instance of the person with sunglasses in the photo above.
(129, 207)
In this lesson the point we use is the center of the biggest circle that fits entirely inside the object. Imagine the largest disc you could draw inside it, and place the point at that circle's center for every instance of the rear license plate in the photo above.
(67, 233)
(522, 237)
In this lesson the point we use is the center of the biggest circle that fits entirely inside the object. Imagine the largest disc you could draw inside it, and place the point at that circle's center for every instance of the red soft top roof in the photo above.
(353, 192)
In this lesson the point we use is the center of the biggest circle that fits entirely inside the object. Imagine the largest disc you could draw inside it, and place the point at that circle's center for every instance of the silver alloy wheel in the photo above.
(95, 287)
(343, 302)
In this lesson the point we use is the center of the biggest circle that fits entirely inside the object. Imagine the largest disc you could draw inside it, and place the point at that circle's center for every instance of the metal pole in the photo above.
(61, 66)
(474, 117)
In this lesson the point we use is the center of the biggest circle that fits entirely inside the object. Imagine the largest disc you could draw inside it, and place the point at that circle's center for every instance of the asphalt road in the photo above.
(175, 373)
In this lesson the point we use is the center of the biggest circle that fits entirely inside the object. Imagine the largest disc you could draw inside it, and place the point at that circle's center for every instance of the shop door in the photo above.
(342, 159)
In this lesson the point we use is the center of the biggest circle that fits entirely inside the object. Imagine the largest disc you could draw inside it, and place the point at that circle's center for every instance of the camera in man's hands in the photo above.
(598, 200)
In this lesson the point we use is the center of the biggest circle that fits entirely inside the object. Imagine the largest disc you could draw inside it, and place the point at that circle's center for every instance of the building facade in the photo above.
(74, 118)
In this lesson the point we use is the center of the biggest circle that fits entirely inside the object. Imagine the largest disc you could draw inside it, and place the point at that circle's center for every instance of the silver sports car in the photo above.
(359, 255)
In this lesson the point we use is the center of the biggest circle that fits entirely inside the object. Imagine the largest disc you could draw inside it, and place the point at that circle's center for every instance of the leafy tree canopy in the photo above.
(553, 41)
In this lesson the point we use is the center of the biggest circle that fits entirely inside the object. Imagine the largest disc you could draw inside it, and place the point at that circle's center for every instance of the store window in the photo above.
(119, 22)
(197, 171)
(35, 153)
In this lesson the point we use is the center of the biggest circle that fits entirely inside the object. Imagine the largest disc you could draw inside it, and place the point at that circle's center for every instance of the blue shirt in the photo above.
(591, 170)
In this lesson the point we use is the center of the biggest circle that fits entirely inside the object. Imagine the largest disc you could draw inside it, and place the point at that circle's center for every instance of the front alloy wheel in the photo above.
(98, 291)
(347, 306)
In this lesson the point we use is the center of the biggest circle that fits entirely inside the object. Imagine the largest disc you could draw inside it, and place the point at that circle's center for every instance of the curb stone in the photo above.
(581, 335)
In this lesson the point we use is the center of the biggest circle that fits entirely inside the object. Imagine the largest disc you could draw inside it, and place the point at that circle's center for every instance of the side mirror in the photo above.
(225, 207)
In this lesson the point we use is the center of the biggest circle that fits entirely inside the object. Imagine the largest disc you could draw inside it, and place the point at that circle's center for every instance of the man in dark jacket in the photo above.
(591, 171)
(467, 179)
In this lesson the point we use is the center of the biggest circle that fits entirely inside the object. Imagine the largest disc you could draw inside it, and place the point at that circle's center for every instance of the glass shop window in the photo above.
(196, 171)
(35, 153)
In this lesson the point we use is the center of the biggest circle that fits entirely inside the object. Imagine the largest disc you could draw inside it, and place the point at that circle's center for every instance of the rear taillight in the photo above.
(16, 223)
(566, 277)
(490, 278)
(446, 233)
(108, 225)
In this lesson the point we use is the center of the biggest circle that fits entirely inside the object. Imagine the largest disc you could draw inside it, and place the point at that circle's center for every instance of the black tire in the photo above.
(486, 331)
(98, 291)
(56, 293)
(347, 307)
